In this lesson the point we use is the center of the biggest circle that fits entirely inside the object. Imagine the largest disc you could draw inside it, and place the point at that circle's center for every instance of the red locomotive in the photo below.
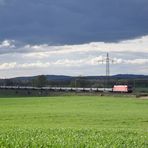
(122, 88)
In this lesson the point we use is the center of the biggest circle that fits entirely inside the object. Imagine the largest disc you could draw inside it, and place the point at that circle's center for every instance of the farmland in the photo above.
(73, 121)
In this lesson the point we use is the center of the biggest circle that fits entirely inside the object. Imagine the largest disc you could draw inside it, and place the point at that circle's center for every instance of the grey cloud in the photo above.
(2, 2)
(128, 47)
(73, 21)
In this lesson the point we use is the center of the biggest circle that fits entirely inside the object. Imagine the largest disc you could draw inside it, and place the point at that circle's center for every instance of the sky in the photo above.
(69, 37)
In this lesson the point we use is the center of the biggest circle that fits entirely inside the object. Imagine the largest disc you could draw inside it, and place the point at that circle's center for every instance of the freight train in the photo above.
(115, 88)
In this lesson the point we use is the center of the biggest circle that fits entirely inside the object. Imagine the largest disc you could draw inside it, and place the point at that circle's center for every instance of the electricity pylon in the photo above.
(107, 65)
(107, 61)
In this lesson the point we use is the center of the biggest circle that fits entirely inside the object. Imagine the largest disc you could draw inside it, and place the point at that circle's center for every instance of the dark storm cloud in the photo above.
(72, 21)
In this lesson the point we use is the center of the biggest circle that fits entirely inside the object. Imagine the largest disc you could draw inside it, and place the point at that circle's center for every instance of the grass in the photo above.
(73, 121)
(71, 138)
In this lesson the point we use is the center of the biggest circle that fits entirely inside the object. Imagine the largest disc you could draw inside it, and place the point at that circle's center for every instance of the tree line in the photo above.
(42, 81)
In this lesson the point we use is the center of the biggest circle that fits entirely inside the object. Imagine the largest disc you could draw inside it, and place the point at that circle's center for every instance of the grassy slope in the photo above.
(74, 112)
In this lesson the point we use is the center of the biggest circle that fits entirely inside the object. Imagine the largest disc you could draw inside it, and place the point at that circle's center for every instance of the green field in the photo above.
(73, 121)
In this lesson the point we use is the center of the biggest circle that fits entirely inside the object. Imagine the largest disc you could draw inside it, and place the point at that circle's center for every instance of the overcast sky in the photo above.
(69, 36)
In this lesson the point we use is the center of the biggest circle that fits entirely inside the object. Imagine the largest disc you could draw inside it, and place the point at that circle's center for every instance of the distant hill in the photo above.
(130, 76)
(49, 77)
(69, 78)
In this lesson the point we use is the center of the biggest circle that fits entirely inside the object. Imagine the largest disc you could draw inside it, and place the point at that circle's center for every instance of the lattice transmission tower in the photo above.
(107, 60)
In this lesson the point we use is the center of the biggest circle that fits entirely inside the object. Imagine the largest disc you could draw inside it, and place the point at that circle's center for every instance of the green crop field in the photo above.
(74, 121)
